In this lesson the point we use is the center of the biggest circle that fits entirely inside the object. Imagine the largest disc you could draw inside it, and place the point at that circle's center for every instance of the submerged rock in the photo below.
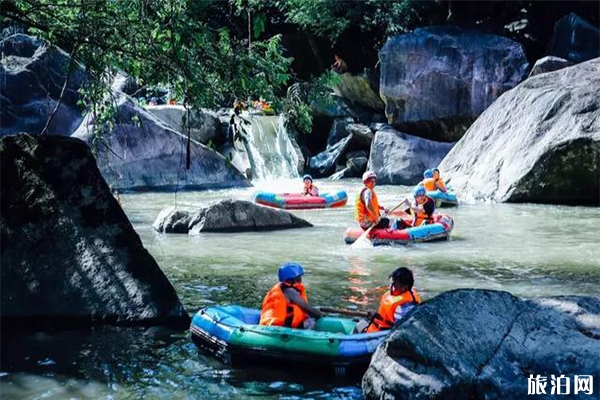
(435, 81)
(575, 39)
(227, 215)
(142, 153)
(69, 254)
(539, 142)
(400, 159)
(33, 73)
(484, 344)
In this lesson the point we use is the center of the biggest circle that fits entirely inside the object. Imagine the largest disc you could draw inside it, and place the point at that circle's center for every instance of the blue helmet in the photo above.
(289, 270)
(428, 174)
(307, 176)
(419, 191)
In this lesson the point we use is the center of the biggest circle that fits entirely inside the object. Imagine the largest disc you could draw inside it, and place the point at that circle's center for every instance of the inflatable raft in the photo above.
(439, 229)
(443, 199)
(296, 201)
(232, 334)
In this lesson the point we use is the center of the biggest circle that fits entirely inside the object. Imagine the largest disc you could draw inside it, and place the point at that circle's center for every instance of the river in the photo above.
(528, 250)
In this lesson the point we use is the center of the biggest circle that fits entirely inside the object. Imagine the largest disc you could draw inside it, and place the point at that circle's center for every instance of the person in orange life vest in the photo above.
(309, 189)
(422, 207)
(428, 182)
(439, 183)
(286, 304)
(367, 209)
(395, 303)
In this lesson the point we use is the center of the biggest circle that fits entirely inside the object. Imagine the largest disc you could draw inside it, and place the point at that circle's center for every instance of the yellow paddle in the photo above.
(363, 240)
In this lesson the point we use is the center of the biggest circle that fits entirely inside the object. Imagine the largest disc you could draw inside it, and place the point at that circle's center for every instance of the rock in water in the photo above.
(539, 142)
(69, 254)
(484, 344)
(435, 81)
(549, 64)
(227, 215)
(33, 73)
(142, 153)
(400, 159)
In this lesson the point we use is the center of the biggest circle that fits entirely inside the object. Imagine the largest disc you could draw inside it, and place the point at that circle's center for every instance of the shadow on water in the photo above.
(126, 363)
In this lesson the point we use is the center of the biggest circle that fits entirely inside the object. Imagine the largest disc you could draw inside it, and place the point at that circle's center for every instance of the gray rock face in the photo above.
(359, 89)
(539, 142)
(338, 130)
(150, 155)
(549, 64)
(203, 124)
(362, 134)
(575, 39)
(483, 344)
(227, 215)
(69, 254)
(400, 159)
(324, 163)
(33, 73)
(435, 81)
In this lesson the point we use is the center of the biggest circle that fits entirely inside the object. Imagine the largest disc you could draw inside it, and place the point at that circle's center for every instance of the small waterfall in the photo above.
(270, 151)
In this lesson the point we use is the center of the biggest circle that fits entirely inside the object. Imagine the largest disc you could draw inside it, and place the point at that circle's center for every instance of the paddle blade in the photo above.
(363, 241)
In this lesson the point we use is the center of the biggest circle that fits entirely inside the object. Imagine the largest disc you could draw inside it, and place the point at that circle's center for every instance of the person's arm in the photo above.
(293, 296)
(314, 191)
(440, 185)
(402, 310)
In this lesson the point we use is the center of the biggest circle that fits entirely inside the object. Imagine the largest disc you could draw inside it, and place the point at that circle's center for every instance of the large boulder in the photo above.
(549, 64)
(361, 89)
(400, 159)
(575, 39)
(226, 215)
(539, 142)
(33, 73)
(483, 344)
(435, 81)
(203, 124)
(142, 153)
(324, 163)
(69, 254)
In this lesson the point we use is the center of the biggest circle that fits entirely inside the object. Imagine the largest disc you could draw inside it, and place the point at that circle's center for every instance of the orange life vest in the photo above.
(363, 216)
(420, 216)
(429, 184)
(384, 319)
(278, 311)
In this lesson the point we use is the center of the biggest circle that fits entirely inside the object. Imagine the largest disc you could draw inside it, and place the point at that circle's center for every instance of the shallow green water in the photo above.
(528, 250)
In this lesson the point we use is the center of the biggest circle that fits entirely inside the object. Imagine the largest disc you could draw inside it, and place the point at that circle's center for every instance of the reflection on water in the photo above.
(529, 250)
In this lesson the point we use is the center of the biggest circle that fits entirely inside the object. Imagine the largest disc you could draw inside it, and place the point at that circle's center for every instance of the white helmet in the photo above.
(368, 175)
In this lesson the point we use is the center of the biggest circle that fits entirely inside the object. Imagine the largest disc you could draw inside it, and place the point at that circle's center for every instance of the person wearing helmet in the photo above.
(309, 189)
(395, 303)
(422, 207)
(428, 182)
(286, 304)
(367, 209)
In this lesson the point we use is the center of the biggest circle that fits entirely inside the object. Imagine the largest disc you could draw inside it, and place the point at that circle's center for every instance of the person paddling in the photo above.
(286, 304)
(422, 207)
(395, 303)
(432, 181)
(309, 189)
(367, 208)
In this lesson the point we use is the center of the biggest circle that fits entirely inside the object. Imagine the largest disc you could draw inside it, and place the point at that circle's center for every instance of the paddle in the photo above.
(344, 311)
(362, 240)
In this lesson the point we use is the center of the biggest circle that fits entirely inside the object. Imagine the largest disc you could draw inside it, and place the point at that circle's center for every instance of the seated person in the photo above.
(422, 207)
(395, 303)
(309, 189)
(428, 182)
(339, 65)
(367, 210)
(439, 183)
(286, 304)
